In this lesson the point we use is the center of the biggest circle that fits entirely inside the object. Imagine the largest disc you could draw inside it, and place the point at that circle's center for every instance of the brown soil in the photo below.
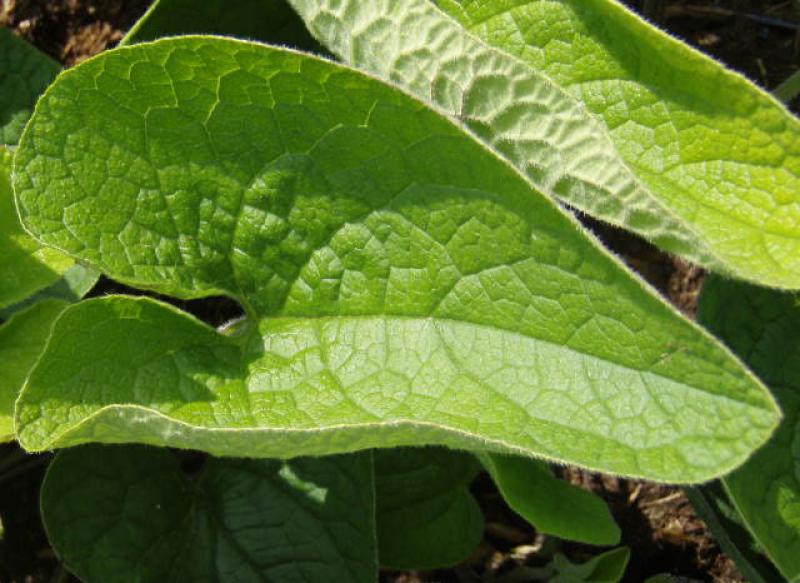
(757, 37)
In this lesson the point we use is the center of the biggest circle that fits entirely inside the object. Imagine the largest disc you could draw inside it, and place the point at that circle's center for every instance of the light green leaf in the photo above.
(130, 514)
(25, 265)
(404, 285)
(763, 326)
(601, 110)
(553, 506)
(426, 516)
(22, 340)
(271, 21)
(25, 72)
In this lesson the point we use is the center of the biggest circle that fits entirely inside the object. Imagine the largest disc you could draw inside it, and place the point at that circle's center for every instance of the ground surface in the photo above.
(757, 37)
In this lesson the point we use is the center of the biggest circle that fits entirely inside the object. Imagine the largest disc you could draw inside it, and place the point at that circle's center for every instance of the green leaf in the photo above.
(553, 506)
(606, 568)
(426, 516)
(715, 509)
(25, 265)
(76, 282)
(763, 326)
(22, 339)
(131, 514)
(602, 110)
(271, 21)
(25, 72)
(404, 285)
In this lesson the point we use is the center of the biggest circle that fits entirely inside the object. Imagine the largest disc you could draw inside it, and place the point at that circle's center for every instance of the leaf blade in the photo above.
(239, 520)
(426, 517)
(25, 72)
(689, 202)
(271, 21)
(341, 208)
(551, 505)
(22, 339)
(26, 266)
(761, 325)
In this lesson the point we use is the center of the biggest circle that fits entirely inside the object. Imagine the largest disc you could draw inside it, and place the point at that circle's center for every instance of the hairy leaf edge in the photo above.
(461, 127)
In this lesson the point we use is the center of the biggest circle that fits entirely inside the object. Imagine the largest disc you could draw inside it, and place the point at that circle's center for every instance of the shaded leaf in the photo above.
(25, 72)
(271, 21)
(22, 340)
(714, 507)
(426, 516)
(128, 514)
(762, 326)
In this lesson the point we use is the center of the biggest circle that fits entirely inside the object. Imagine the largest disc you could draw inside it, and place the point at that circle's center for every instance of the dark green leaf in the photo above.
(426, 516)
(763, 327)
(132, 514)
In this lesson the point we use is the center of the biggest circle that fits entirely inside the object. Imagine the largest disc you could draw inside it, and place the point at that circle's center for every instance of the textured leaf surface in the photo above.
(25, 265)
(763, 326)
(22, 340)
(553, 506)
(425, 514)
(25, 72)
(271, 21)
(411, 287)
(118, 514)
(603, 111)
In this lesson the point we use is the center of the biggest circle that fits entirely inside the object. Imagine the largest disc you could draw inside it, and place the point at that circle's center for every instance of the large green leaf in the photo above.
(22, 340)
(763, 326)
(25, 265)
(553, 506)
(25, 72)
(270, 21)
(404, 285)
(426, 516)
(603, 111)
(118, 514)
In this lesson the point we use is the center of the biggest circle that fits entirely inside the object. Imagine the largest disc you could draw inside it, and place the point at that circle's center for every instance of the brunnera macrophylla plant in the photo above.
(407, 278)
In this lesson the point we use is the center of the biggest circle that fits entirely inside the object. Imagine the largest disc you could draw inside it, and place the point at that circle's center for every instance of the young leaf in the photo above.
(426, 516)
(21, 342)
(128, 514)
(763, 327)
(553, 506)
(271, 21)
(25, 265)
(405, 285)
(24, 74)
(603, 111)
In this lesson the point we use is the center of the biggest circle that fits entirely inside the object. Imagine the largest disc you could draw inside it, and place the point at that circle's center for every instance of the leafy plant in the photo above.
(601, 110)
(762, 326)
(405, 276)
